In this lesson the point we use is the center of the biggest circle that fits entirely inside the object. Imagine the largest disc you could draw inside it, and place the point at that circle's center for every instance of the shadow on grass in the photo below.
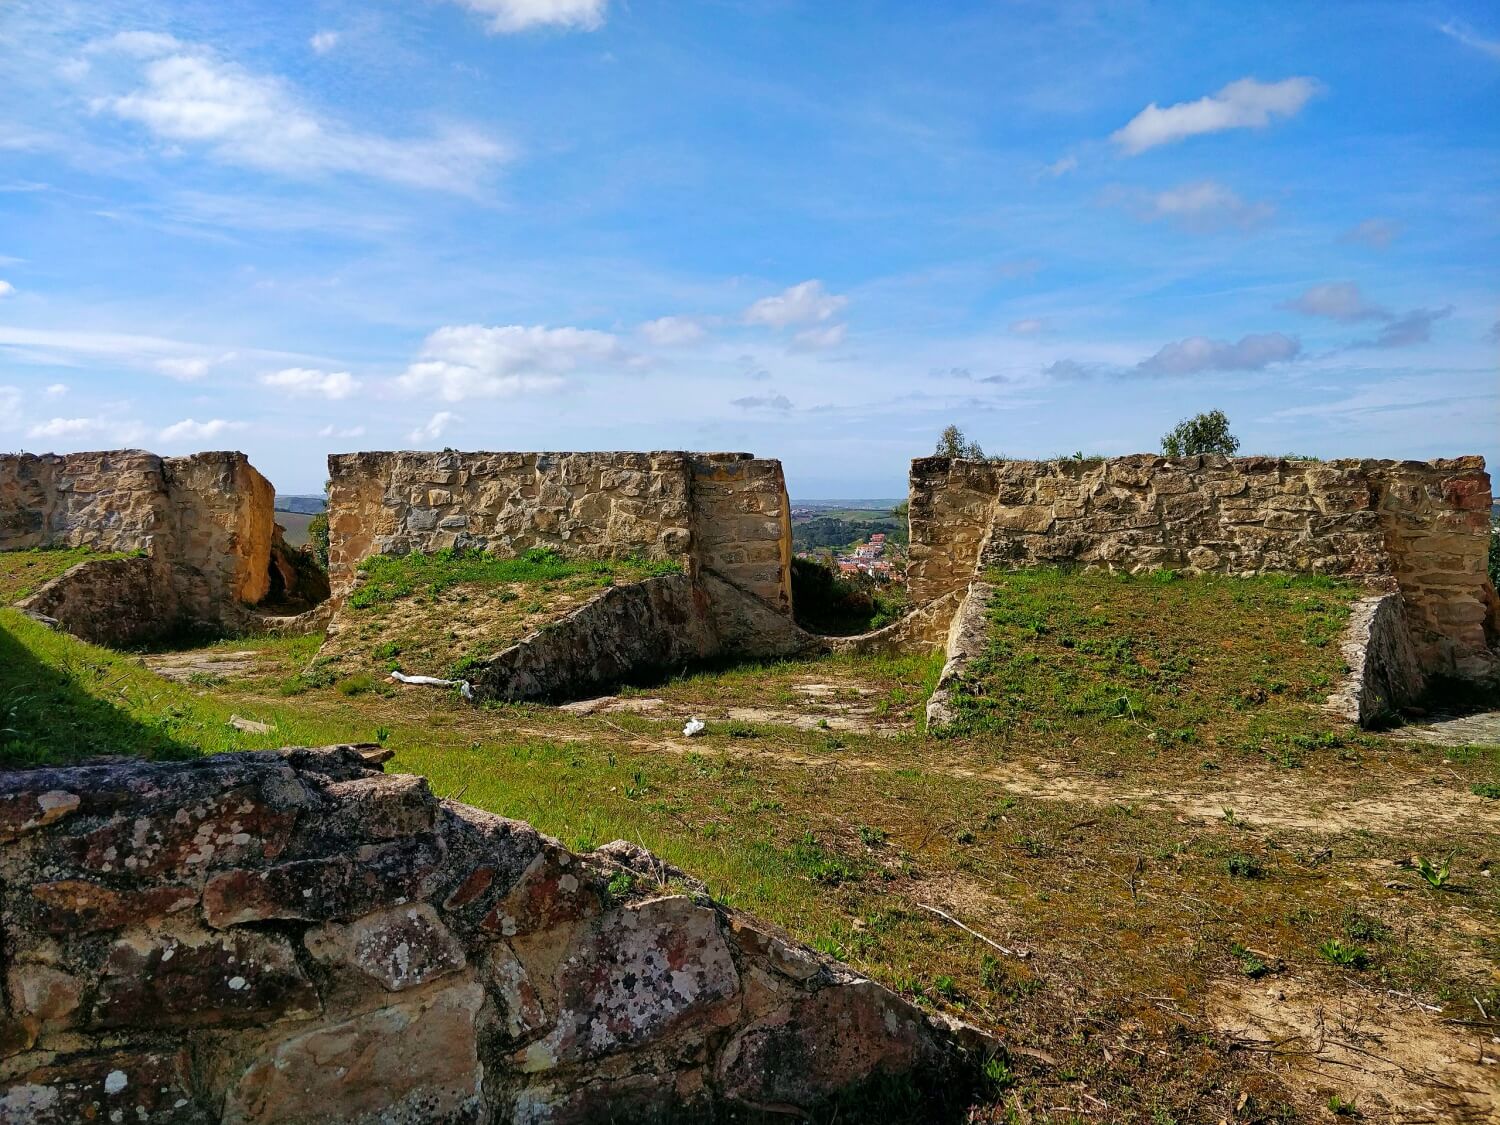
(48, 717)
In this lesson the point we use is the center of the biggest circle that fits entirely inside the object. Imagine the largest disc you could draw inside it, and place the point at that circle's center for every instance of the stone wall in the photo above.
(296, 937)
(117, 602)
(646, 628)
(725, 512)
(1421, 527)
(206, 519)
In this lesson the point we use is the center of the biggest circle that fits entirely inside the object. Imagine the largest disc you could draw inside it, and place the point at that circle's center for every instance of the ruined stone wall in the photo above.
(1419, 526)
(117, 602)
(206, 520)
(725, 512)
(295, 937)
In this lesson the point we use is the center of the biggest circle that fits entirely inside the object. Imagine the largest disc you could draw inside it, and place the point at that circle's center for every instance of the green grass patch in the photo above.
(22, 572)
(1155, 662)
(389, 578)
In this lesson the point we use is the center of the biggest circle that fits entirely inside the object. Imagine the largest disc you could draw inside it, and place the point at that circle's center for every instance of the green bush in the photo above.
(825, 602)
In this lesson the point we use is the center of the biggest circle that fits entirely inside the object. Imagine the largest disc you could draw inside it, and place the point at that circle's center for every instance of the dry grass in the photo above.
(1156, 894)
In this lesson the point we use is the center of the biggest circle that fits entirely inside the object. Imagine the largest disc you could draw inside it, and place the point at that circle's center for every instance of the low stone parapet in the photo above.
(295, 937)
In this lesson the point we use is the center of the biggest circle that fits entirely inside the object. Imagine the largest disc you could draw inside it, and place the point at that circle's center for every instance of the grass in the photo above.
(436, 613)
(22, 572)
(1137, 882)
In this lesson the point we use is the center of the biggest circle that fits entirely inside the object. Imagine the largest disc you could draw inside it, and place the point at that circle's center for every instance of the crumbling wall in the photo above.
(296, 937)
(117, 602)
(724, 512)
(1418, 526)
(205, 520)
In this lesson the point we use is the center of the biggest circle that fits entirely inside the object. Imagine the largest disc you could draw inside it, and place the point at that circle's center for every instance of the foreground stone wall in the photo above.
(296, 937)
(1421, 527)
(117, 602)
(725, 512)
(205, 520)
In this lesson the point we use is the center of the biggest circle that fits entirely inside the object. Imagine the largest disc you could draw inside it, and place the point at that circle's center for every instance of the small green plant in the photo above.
(1251, 963)
(381, 734)
(946, 987)
(357, 684)
(620, 884)
(1342, 1108)
(998, 1074)
(1346, 955)
(1487, 789)
(1242, 866)
(1435, 875)
(873, 837)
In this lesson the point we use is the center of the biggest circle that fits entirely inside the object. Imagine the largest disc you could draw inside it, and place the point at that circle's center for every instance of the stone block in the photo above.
(399, 948)
(143, 1087)
(416, 1060)
(160, 979)
(80, 906)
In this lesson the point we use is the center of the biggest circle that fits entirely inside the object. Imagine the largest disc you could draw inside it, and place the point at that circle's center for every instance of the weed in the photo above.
(357, 684)
(1342, 1108)
(873, 837)
(1242, 866)
(1251, 964)
(998, 1074)
(1487, 789)
(1362, 927)
(381, 734)
(620, 884)
(1435, 875)
(1346, 955)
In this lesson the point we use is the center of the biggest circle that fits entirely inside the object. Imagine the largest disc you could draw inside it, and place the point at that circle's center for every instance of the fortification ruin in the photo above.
(201, 531)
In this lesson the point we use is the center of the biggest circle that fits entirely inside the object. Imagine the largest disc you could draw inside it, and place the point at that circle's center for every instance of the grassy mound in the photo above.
(435, 614)
(22, 572)
(1137, 664)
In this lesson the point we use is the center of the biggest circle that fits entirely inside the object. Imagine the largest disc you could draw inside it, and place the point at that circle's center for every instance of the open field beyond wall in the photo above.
(1202, 886)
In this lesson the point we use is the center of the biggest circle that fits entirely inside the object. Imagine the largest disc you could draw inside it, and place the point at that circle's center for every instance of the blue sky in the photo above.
(819, 231)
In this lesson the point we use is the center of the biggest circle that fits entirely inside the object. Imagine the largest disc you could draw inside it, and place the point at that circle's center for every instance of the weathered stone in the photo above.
(152, 979)
(556, 889)
(26, 806)
(144, 1087)
(43, 996)
(315, 890)
(380, 807)
(414, 1061)
(401, 948)
(643, 973)
(787, 1059)
(1382, 675)
(82, 906)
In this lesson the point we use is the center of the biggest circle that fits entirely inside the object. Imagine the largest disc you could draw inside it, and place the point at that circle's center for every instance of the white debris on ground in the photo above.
(694, 726)
(434, 681)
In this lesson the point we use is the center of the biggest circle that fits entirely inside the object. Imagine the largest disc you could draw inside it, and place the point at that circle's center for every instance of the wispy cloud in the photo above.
(804, 303)
(1375, 233)
(324, 41)
(190, 430)
(504, 17)
(433, 428)
(1203, 207)
(763, 402)
(1245, 104)
(106, 430)
(817, 339)
(309, 381)
(475, 361)
(1336, 300)
(331, 430)
(6, 288)
(1469, 38)
(672, 331)
(188, 96)
(1410, 328)
(1198, 354)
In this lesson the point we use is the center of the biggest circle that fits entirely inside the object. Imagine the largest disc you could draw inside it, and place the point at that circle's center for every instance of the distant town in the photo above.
(859, 539)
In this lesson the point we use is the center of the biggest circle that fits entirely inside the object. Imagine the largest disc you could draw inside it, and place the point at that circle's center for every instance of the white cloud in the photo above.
(1467, 37)
(1199, 353)
(1245, 104)
(806, 303)
(1337, 300)
(107, 431)
(186, 368)
(189, 96)
(1410, 328)
(331, 430)
(816, 339)
(1061, 166)
(1030, 326)
(458, 362)
(505, 17)
(308, 381)
(1203, 206)
(763, 402)
(434, 427)
(324, 41)
(55, 390)
(190, 430)
(1378, 233)
(672, 331)
(6, 288)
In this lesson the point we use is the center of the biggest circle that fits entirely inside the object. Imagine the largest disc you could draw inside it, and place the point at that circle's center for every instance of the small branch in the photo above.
(1021, 953)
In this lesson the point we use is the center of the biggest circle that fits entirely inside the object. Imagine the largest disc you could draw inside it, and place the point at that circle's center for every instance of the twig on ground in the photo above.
(1021, 953)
